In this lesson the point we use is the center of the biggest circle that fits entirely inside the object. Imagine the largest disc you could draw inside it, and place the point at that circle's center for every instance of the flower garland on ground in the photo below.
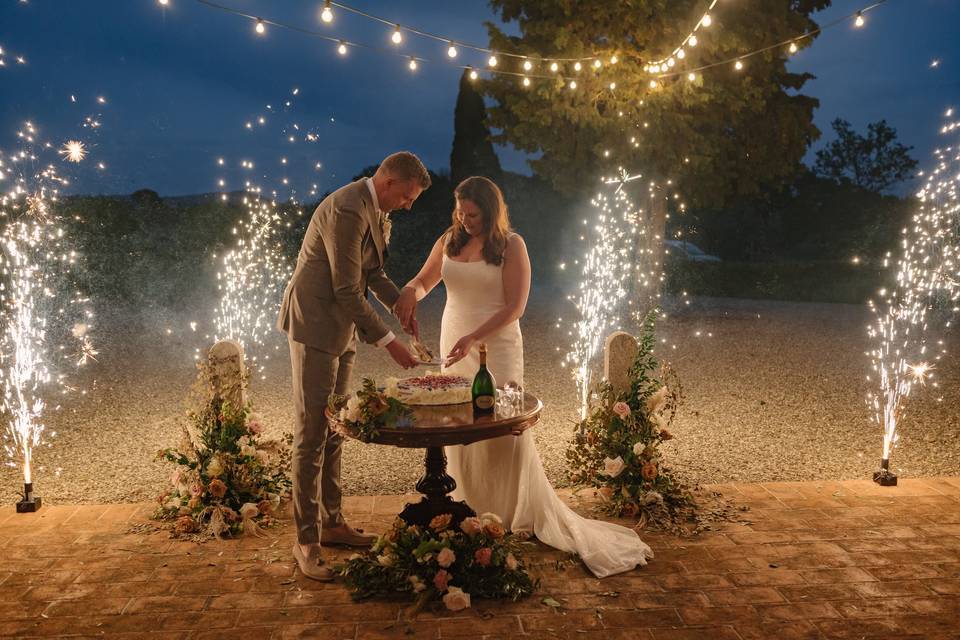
(228, 480)
(617, 447)
(480, 560)
(369, 410)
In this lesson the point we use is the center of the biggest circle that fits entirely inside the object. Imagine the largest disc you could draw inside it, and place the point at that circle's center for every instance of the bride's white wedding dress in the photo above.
(504, 475)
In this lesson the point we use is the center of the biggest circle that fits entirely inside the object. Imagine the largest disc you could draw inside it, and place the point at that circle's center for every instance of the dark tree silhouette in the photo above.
(875, 162)
(472, 153)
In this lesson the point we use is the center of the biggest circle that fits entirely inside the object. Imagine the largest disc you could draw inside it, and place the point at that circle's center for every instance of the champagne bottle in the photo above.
(484, 387)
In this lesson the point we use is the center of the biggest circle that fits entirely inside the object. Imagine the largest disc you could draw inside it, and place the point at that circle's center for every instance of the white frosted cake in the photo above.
(430, 389)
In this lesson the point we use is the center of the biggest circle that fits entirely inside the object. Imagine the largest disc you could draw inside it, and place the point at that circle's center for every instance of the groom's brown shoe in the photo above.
(312, 565)
(347, 536)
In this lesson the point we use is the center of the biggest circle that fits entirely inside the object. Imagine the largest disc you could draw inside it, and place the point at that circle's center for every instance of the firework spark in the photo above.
(74, 151)
(37, 298)
(911, 314)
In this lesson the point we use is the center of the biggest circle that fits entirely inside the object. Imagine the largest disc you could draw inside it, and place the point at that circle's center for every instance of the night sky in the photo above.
(181, 82)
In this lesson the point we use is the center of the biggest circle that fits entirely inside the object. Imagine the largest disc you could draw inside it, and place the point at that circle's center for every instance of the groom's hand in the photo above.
(401, 355)
(406, 310)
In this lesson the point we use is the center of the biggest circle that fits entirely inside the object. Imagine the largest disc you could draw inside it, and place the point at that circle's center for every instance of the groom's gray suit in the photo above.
(324, 309)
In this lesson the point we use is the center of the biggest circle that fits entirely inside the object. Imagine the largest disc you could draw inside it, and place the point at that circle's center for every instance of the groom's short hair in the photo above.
(403, 165)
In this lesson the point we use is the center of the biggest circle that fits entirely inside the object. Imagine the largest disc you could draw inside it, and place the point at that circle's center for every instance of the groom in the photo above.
(324, 310)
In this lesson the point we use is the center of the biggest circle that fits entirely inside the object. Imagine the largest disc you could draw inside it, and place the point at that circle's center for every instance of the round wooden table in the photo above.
(440, 425)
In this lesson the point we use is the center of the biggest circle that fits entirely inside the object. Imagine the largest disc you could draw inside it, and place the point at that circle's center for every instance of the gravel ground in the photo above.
(776, 393)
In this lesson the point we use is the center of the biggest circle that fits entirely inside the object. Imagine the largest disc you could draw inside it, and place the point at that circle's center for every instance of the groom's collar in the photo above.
(373, 194)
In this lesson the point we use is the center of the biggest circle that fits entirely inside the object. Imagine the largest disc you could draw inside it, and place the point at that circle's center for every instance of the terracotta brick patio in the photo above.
(817, 560)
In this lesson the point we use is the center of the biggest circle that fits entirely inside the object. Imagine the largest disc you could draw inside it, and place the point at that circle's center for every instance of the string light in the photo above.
(473, 74)
(597, 64)
(614, 59)
(793, 47)
(858, 22)
(706, 20)
(692, 41)
(260, 27)
(451, 50)
(691, 76)
(527, 65)
(342, 48)
(397, 37)
(573, 84)
(554, 67)
(526, 81)
(327, 13)
(738, 65)
(413, 64)
(492, 61)
(613, 85)
(163, 3)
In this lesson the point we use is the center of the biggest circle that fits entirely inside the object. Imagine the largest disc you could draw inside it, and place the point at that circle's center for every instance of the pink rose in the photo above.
(482, 556)
(255, 423)
(441, 580)
(471, 526)
(456, 599)
(217, 488)
(196, 489)
(622, 409)
(446, 557)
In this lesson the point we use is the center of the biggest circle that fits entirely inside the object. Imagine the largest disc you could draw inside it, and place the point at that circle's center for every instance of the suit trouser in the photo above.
(317, 450)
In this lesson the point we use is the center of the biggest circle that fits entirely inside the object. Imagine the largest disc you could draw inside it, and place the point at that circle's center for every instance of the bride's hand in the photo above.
(461, 349)
(406, 310)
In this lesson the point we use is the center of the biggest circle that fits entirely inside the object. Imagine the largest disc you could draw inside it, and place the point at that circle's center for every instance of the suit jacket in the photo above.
(325, 302)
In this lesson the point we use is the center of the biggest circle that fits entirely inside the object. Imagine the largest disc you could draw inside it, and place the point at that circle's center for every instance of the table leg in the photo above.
(435, 485)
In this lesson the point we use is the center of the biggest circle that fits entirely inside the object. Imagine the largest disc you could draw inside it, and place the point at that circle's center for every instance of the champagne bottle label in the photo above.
(484, 402)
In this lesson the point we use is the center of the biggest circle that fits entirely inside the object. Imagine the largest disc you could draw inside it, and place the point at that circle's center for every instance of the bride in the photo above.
(486, 271)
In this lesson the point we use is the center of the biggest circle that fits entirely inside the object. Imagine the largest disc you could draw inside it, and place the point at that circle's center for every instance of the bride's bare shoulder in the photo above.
(515, 242)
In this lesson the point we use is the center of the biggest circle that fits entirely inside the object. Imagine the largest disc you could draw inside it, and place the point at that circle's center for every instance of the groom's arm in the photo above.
(343, 248)
(384, 288)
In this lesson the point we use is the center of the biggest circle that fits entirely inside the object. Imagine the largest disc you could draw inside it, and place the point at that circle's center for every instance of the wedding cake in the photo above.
(430, 389)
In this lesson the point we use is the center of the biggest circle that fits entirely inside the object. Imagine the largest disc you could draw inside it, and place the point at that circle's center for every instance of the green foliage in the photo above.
(369, 410)
(617, 447)
(486, 563)
(472, 153)
(874, 162)
(727, 135)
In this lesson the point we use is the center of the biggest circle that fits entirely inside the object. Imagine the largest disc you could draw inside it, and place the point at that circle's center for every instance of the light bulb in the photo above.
(413, 64)
(596, 64)
(691, 76)
(397, 37)
(452, 50)
(613, 85)
(859, 21)
(260, 28)
(614, 59)
(342, 49)
(706, 20)
(473, 74)
(492, 61)
(573, 84)
(793, 47)
(577, 66)
(554, 67)
(655, 69)
(327, 14)
(653, 84)
(671, 62)
(738, 65)
(681, 54)
(164, 2)
(692, 41)
(526, 81)
(527, 65)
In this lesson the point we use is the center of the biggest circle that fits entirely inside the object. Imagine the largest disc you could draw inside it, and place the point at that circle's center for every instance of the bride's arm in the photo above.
(516, 290)
(429, 274)
(428, 277)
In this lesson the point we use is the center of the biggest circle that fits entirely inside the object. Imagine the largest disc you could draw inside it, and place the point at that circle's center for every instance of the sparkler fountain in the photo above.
(38, 302)
(921, 303)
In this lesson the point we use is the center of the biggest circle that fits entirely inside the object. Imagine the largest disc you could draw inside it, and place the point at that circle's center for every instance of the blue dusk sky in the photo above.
(180, 82)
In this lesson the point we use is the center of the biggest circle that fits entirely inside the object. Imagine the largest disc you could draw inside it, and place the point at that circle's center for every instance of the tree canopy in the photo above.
(874, 162)
(725, 134)
(472, 153)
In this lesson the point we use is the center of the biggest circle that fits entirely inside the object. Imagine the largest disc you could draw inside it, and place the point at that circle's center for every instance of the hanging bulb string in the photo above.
(784, 43)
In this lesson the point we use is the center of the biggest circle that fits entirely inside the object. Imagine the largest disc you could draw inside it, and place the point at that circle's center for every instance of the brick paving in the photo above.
(817, 560)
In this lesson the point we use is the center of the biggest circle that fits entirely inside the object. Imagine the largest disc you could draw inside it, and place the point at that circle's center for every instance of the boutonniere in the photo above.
(385, 227)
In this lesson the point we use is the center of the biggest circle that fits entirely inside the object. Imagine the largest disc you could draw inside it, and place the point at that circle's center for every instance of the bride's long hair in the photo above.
(484, 193)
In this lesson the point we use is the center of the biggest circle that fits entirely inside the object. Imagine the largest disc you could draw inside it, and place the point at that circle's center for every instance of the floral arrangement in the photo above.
(478, 559)
(369, 410)
(617, 447)
(228, 480)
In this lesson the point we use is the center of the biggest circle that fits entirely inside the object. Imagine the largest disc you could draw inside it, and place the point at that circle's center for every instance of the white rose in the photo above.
(490, 517)
(638, 449)
(249, 510)
(446, 557)
(658, 421)
(456, 599)
(214, 467)
(248, 450)
(417, 583)
(353, 408)
(613, 466)
(385, 560)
